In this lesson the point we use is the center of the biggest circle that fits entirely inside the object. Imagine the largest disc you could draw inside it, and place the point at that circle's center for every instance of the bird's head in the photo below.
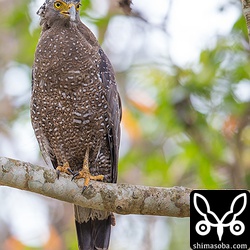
(56, 10)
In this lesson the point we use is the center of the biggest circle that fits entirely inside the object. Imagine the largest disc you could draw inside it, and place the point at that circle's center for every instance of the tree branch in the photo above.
(118, 198)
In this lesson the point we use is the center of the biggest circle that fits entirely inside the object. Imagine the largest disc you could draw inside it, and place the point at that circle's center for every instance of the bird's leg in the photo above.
(65, 168)
(85, 173)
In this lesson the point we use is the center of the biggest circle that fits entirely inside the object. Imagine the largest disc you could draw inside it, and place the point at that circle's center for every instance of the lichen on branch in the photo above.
(118, 198)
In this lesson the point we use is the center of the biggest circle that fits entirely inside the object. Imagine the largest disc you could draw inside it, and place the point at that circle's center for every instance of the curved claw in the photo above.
(65, 169)
(69, 170)
(57, 174)
(74, 175)
(84, 188)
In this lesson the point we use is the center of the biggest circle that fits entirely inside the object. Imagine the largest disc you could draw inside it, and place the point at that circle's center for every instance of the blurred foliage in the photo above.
(181, 125)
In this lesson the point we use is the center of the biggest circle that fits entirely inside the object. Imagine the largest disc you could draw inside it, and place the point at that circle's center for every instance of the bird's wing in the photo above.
(43, 142)
(107, 76)
(114, 110)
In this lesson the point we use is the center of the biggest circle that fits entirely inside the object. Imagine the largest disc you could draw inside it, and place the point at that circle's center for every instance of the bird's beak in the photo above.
(72, 12)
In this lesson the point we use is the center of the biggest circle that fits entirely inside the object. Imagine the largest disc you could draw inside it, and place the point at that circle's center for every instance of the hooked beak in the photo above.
(72, 12)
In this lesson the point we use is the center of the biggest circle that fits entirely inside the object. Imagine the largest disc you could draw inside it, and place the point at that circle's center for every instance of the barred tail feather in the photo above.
(93, 234)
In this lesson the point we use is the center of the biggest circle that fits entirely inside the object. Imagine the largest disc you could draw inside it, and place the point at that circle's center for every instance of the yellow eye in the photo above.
(78, 6)
(57, 5)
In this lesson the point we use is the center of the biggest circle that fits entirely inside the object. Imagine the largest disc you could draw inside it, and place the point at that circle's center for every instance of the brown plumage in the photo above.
(75, 109)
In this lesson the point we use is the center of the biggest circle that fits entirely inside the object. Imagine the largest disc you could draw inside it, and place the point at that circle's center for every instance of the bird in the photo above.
(76, 110)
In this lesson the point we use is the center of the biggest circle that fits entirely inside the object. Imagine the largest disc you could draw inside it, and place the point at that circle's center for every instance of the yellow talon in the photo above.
(65, 169)
(85, 173)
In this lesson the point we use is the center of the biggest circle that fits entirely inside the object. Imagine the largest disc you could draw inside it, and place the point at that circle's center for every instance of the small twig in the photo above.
(126, 6)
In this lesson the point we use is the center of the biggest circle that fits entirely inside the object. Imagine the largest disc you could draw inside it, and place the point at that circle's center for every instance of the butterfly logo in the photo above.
(236, 227)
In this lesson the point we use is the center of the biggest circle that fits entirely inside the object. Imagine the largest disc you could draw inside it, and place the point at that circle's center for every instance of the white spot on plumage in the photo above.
(77, 121)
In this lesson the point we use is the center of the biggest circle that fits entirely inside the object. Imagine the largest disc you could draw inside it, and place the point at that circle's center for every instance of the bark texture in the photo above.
(118, 198)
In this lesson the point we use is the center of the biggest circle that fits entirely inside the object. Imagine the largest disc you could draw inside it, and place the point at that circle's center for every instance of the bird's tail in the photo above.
(93, 228)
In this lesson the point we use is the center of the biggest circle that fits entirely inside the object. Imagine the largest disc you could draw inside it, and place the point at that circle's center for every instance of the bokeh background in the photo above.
(183, 73)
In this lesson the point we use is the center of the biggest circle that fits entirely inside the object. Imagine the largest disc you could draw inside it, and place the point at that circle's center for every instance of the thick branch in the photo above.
(118, 198)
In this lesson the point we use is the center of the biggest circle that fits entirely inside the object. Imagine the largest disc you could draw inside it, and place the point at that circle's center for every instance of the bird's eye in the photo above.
(78, 6)
(57, 5)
